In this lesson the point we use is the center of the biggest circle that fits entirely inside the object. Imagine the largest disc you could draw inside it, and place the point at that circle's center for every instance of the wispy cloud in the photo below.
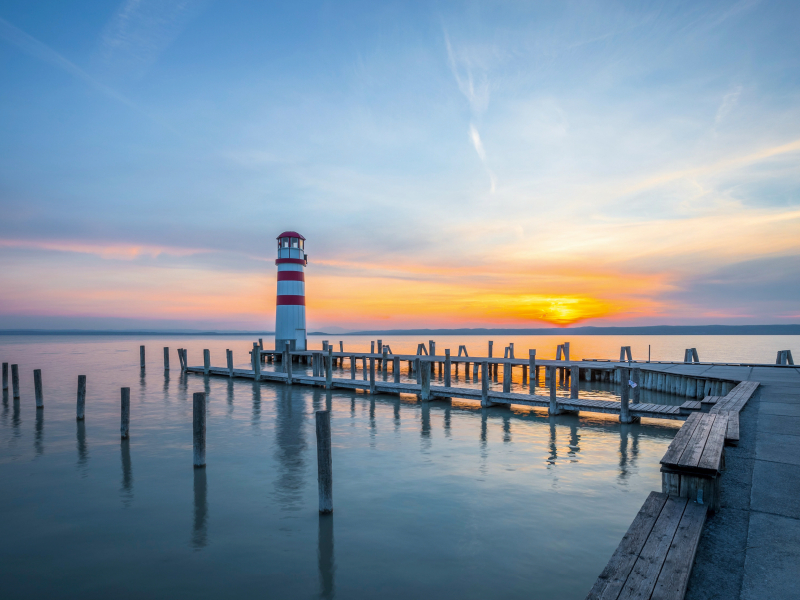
(141, 30)
(729, 102)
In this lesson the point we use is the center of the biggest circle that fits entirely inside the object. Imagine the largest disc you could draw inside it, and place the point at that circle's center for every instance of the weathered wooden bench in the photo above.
(731, 405)
(655, 558)
(694, 459)
(707, 403)
(691, 406)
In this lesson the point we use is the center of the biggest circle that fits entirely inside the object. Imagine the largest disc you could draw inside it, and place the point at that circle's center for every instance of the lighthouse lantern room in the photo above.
(290, 309)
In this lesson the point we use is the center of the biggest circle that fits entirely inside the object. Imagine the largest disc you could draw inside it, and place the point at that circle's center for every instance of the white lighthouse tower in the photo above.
(290, 310)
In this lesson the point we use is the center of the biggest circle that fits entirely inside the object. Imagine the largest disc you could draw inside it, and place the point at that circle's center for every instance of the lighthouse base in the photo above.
(280, 345)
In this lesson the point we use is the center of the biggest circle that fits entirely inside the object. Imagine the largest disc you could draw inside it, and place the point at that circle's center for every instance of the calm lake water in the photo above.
(443, 500)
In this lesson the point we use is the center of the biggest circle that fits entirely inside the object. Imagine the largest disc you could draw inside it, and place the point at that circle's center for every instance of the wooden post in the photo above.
(324, 461)
(431, 348)
(553, 408)
(257, 362)
(491, 343)
(372, 347)
(181, 361)
(125, 394)
(385, 361)
(141, 357)
(207, 359)
(396, 369)
(260, 343)
(416, 370)
(558, 351)
(80, 411)
(533, 370)
(287, 359)
(511, 349)
(371, 375)
(37, 388)
(199, 428)
(353, 367)
(15, 381)
(624, 413)
(636, 377)
(5, 376)
(485, 402)
(447, 368)
(566, 350)
(229, 360)
(166, 358)
(364, 373)
(524, 375)
(574, 381)
(506, 378)
(695, 357)
(425, 389)
(466, 370)
(329, 370)
(341, 346)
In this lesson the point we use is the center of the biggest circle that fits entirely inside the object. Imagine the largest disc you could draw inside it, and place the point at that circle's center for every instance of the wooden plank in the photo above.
(694, 449)
(712, 453)
(647, 567)
(616, 572)
(677, 567)
(681, 439)
(732, 433)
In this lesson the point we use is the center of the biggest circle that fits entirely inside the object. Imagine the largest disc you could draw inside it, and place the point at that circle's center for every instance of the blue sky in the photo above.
(451, 164)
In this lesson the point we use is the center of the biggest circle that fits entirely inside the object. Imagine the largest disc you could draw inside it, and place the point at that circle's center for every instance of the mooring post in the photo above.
(485, 402)
(37, 388)
(553, 408)
(125, 417)
(353, 366)
(624, 412)
(5, 376)
(364, 373)
(396, 369)
(447, 368)
(532, 369)
(574, 381)
(636, 378)
(371, 375)
(425, 385)
(341, 346)
(15, 381)
(141, 357)
(229, 360)
(524, 375)
(491, 343)
(257, 363)
(329, 370)
(506, 378)
(324, 461)
(287, 359)
(207, 360)
(199, 429)
(416, 370)
(166, 358)
(385, 361)
(80, 409)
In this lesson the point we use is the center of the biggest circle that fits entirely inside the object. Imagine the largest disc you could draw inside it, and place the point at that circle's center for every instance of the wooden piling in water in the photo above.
(329, 369)
(125, 412)
(324, 461)
(371, 375)
(447, 368)
(141, 357)
(15, 381)
(636, 377)
(207, 359)
(506, 378)
(574, 381)
(364, 373)
(80, 410)
(491, 343)
(624, 413)
(425, 384)
(5, 376)
(396, 369)
(485, 402)
(199, 429)
(166, 358)
(533, 369)
(385, 361)
(553, 409)
(37, 388)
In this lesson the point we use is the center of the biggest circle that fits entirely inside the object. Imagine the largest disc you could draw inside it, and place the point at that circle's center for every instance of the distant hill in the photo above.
(649, 330)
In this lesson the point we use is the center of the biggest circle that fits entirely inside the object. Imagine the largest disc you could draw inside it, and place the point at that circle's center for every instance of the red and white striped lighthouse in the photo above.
(290, 310)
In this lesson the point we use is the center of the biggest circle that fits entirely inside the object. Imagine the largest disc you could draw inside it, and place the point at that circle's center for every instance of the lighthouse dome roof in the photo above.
(290, 234)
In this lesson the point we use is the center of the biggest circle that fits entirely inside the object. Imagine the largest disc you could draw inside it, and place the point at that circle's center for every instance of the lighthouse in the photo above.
(290, 309)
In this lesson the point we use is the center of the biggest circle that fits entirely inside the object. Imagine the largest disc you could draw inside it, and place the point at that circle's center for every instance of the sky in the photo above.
(471, 164)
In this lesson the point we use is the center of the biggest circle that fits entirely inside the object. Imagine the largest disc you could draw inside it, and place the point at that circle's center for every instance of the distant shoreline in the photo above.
(647, 330)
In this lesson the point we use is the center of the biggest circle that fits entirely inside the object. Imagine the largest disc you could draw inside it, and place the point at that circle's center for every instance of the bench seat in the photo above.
(655, 557)
(731, 405)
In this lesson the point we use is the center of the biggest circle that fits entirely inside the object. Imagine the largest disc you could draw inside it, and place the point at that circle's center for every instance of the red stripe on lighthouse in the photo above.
(291, 276)
(290, 300)
(291, 261)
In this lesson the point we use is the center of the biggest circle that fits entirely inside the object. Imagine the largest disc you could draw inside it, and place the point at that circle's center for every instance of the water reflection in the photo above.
(126, 491)
(425, 430)
(200, 524)
(574, 440)
(38, 440)
(325, 557)
(83, 450)
(229, 397)
(5, 407)
(553, 445)
(255, 420)
(506, 427)
(290, 440)
(165, 388)
(484, 443)
(396, 407)
(372, 426)
(447, 411)
(15, 420)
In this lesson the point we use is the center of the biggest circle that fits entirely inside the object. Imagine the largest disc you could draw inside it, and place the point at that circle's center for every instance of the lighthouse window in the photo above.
(301, 243)
(285, 242)
(294, 242)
